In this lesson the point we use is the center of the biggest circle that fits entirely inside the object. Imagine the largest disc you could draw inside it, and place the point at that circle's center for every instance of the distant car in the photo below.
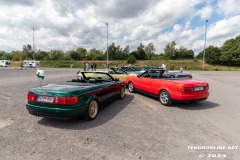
(167, 89)
(120, 73)
(130, 69)
(79, 97)
(176, 74)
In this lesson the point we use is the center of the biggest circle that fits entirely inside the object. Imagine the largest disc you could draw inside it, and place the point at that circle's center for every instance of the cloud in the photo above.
(69, 24)
(205, 12)
(122, 8)
(17, 2)
(228, 8)
(223, 30)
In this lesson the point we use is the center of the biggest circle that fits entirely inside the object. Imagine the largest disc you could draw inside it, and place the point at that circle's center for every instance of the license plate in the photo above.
(45, 99)
(198, 89)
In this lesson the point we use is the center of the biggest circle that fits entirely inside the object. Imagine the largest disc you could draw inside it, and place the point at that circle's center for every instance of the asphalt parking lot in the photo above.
(137, 127)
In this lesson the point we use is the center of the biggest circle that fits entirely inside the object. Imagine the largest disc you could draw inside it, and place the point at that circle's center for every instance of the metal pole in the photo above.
(204, 46)
(107, 44)
(33, 45)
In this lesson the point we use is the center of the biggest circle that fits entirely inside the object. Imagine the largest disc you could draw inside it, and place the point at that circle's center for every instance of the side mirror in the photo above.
(116, 79)
(138, 75)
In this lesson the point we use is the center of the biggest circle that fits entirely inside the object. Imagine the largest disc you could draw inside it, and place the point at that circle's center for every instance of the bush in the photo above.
(131, 59)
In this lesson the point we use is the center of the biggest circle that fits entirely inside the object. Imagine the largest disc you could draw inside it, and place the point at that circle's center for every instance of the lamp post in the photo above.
(107, 44)
(204, 46)
(33, 45)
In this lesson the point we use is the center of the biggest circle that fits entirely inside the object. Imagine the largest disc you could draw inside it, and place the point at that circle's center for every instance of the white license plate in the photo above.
(45, 99)
(198, 89)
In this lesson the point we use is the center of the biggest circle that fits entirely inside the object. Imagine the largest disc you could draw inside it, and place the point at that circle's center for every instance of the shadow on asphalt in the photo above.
(106, 112)
(188, 105)
(201, 105)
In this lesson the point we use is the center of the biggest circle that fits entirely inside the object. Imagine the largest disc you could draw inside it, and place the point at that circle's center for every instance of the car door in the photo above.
(143, 82)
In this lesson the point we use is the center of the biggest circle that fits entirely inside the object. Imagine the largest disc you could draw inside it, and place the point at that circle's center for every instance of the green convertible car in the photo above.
(79, 97)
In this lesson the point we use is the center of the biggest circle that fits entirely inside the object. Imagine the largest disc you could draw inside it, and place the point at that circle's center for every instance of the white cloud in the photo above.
(70, 24)
(222, 30)
(228, 7)
(205, 12)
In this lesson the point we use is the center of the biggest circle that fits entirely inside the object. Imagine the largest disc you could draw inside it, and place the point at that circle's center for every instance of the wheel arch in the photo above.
(93, 97)
(162, 89)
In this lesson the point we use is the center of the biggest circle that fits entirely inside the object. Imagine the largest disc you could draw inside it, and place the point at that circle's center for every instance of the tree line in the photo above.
(228, 54)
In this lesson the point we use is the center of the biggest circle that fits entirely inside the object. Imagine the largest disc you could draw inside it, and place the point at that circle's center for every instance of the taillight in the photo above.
(32, 97)
(185, 89)
(72, 100)
(66, 100)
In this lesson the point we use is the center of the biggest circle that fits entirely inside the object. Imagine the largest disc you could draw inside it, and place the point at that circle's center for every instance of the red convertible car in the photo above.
(168, 90)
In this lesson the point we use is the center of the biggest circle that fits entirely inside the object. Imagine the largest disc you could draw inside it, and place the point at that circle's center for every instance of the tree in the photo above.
(126, 50)
(184, 53)
(41, 55)
(75, 55)
(170, 52)
(56, 55)
(2, 53)
(212, 55)
(231, 45)
(149, 50)
(231, 52)
(82, 52)
(116, 52)
(134, 53)
(7, 56)
(16, 56)
(230, 59)
(94, 54)
(27, 51)
(141, 55)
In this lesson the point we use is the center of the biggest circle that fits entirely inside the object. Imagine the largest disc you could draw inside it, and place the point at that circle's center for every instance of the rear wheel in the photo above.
(131, 87)
(165, 98)
(92, 110)
(122, 92)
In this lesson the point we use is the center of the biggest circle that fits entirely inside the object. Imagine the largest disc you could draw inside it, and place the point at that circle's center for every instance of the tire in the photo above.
(92, 110)
(122, 93)
(131, 87)
(165, 98)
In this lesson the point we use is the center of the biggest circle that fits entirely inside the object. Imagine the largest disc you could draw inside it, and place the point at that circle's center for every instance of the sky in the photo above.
(71, 24)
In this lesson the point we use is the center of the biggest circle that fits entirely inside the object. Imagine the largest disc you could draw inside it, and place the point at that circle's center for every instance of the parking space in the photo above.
(137, 127)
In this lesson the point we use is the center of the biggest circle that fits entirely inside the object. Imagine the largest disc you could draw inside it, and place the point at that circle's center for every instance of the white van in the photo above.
(30, 64)
(5, 63)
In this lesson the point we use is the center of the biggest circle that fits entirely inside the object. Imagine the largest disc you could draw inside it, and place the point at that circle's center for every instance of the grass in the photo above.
(187, 64)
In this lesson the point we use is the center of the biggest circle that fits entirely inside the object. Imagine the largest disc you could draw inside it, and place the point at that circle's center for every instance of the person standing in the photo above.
(87, 66)
(181, 70)
(164, 66)
(94, 66)
(84, 66)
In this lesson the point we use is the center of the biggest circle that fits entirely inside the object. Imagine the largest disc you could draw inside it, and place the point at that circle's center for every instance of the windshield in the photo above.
(97, 75)
(118, 71)
(153, 74)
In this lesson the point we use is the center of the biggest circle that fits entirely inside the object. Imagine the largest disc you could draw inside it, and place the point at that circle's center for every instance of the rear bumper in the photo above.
(61, 113)
(190, 97)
